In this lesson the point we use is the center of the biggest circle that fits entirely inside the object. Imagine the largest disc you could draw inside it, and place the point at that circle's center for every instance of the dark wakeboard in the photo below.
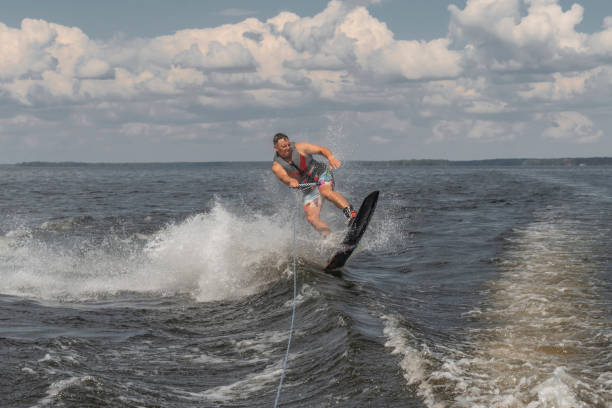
(354, 233)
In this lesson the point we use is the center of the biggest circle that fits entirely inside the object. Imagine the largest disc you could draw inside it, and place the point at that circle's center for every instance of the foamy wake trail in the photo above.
(413, 362)
(211, 256)
(545, 336)
(546, 341)
(552, 320)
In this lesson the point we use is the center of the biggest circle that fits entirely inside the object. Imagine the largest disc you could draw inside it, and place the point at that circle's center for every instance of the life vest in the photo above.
(302, 166)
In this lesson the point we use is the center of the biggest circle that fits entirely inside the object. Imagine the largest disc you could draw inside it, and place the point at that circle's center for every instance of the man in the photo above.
(294, 165)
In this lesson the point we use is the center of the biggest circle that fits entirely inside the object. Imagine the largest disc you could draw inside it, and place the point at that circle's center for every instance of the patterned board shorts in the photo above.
(313, 197)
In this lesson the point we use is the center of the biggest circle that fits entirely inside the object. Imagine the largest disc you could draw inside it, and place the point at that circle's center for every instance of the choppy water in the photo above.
(170, 286)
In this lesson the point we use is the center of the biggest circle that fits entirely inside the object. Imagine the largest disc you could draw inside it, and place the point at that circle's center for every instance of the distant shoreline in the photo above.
(566, 161)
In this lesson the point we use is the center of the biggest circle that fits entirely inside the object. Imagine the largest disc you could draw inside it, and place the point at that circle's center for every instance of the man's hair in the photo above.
(280, 136)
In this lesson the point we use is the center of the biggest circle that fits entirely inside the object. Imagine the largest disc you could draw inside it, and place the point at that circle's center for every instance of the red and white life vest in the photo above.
(302, 166)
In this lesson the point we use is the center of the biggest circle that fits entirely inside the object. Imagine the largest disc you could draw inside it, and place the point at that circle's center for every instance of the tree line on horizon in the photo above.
(567, 161)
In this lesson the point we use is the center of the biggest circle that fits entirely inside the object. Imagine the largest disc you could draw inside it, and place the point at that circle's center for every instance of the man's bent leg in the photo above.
(329, 194)
(313, 215)
(327, 191)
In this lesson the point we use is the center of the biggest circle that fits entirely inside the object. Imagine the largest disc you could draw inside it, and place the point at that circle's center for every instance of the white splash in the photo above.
(220, 253)
(211, 256)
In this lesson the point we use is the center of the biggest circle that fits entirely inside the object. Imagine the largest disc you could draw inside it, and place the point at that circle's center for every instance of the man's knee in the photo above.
(310, 212)
(327, 193)
(311, 217)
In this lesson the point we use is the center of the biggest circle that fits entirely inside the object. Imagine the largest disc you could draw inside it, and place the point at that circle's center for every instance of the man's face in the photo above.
(283, 148)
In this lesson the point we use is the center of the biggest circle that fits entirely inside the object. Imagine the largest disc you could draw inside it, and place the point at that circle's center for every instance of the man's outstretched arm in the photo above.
(309, 148)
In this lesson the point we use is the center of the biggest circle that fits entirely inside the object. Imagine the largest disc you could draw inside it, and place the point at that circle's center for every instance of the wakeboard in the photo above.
(354, 233)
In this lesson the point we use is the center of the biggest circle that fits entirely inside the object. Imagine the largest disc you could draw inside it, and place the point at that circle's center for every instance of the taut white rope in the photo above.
(280, 385)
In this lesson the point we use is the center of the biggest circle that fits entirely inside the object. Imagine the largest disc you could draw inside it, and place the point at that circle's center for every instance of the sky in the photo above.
(209, 80)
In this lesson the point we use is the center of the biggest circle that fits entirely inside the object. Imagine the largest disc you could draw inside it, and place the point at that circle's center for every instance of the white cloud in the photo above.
(387, 122)
(498, 37)
(344, 36)
(489, 131)
(366, 33)
(594, 86)
(21, 121)
(41, 62)
(219, 57)
(376, 127)
(23, 130)
(415, 60)
(475, 130)
(560, 87)
(445, 130)
(23, 50)
(93, 68)
(570, 126)
(312, 34)
(157, 133)
(183, 77)
(601, 42)
(468, 95)
(453, 91)
(379, 54)
(484, 107)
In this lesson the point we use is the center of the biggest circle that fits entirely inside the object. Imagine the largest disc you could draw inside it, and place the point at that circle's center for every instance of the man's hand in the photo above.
(293, 183)
(334, 163)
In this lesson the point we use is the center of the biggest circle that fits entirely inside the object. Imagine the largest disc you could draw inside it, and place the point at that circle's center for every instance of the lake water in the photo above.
(170, 285)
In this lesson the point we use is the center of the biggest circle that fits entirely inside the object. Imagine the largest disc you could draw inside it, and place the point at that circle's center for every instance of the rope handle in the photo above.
(306, 185)
(315, 184)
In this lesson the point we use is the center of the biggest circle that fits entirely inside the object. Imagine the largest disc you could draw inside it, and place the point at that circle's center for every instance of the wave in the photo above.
(220, 254)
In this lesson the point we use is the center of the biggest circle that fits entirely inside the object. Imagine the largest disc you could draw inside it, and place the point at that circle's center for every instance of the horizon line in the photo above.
(74, 162)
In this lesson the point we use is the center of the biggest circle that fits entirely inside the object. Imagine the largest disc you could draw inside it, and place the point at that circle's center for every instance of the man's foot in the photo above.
(350, 214)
